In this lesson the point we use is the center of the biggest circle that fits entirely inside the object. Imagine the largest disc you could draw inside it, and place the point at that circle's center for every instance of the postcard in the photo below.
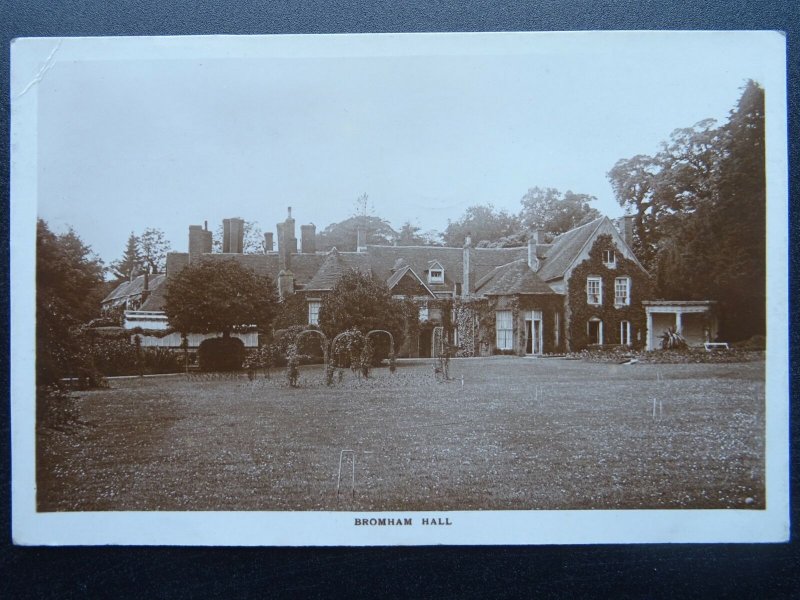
(400, 289)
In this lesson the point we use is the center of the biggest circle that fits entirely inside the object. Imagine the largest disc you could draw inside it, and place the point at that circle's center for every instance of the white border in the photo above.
(29, 61)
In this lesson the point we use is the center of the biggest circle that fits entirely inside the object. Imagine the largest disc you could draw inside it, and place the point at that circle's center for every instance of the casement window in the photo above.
(423, 312)
(622, 291)
(625, 333)
(313, 312)
(609, 258)
(594, 290)
(504, 325)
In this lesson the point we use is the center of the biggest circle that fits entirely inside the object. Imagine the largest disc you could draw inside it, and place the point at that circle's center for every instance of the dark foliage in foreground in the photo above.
(221, 354)
(69, 287)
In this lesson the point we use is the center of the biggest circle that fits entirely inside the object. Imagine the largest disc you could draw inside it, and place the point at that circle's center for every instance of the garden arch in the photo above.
(324, 342)
(391, 339)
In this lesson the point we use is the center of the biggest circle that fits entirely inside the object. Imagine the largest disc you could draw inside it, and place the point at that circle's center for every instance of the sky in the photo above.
(127, 143)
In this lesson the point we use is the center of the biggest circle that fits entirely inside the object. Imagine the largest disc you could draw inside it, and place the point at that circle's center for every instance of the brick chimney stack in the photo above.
(199, 242)
(269, 242)
(233, 236)
(465, 285)
(361, 239)
(533, 241)
(308, 239)
(287, 242)
(625, 227)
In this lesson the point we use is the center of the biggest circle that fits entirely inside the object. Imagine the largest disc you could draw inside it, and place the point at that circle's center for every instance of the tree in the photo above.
(130, 265)
(483, 223)
(69, 288)
(253, 242)
(153, 245)
(549, 210)
(343, 235)
(360, 302)
(219, 296)
(700, 208)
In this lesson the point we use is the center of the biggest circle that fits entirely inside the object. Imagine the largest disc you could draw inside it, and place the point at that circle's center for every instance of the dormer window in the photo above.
(609, 259)
(435, 273)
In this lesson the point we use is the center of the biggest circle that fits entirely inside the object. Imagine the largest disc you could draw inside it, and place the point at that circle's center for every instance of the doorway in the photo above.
(595, 332)
(533, 332)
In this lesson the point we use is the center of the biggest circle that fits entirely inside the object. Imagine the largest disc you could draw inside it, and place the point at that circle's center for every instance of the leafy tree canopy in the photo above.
(154, 246)
(360, 302)
(253, 239)
(131, 264)
(483, 223)
(343, 235)
(69, 288)
(145, 252)
(549, 210)
(219, 296)
(700, 214)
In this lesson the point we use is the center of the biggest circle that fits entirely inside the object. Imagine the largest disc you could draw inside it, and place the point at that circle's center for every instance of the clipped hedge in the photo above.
(221, 354)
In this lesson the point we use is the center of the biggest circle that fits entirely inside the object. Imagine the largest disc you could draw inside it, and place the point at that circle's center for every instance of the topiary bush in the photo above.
(221, 354)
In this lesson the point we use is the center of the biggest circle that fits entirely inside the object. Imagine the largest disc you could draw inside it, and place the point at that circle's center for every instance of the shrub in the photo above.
(672, 340)
(161, 360)
(221, 354)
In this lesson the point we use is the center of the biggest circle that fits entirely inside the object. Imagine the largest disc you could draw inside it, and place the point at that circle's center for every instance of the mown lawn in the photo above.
(517, 434)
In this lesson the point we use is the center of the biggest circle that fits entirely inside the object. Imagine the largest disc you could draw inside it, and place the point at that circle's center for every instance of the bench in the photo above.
(716, 346)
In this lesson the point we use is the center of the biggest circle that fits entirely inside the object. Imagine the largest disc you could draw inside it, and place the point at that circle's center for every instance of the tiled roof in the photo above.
(156, 300)
(385, 260)
(484, 260)
(395, 278)
(335, 264)
(513, 278)
(303, 266)
(126, 289)
(565, 249)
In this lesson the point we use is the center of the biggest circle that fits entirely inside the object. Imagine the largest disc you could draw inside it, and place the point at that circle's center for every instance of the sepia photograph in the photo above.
(395, 289)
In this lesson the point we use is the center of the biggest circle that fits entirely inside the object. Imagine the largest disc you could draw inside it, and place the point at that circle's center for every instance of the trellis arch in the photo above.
(325, 353)
(391, 338)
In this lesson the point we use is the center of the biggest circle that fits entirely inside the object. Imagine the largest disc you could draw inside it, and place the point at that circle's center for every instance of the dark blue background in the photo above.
(768, 571)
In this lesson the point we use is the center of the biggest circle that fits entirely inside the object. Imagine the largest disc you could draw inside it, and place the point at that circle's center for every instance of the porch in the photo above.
(694, 320)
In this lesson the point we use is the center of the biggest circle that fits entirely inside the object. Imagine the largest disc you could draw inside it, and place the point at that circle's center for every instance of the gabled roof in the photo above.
(385, 260)
(566, 248)
(334, 265)
(510, 279)
(126, 289)
(398, 275)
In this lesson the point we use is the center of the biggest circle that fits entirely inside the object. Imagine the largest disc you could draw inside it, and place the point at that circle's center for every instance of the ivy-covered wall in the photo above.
(480, 317)
(580, 311)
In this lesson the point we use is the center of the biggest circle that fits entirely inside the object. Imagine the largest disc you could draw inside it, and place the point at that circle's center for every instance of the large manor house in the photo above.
(584, 288)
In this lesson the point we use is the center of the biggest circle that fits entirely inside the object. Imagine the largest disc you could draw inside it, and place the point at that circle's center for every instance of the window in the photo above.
(423, 312)
(313, 312)
(505, 330)
(625, 333)
(622, 290)
(609, 259)
(435, 273)
(594, 290)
